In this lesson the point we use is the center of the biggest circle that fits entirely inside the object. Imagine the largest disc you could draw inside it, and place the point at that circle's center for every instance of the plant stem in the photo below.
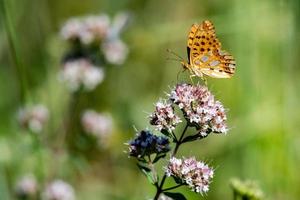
(179, 142)
(14, 48)
(235, 196)
(159, 187)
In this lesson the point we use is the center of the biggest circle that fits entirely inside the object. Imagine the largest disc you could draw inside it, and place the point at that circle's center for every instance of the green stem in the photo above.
(235, 195)
(38, 148)
(12, 40)
(179, 142)
(159, 188)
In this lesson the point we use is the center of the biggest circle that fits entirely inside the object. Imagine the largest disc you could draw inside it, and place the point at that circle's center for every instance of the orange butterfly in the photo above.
(205, 55)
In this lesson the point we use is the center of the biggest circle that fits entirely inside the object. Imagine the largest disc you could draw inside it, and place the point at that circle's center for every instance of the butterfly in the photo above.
(205, 56)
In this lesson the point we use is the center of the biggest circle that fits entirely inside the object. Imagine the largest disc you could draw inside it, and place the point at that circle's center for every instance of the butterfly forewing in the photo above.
(205, 55)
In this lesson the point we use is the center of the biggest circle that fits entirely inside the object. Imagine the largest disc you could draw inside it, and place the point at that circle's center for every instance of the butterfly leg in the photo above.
(191, 78)
(205, 80)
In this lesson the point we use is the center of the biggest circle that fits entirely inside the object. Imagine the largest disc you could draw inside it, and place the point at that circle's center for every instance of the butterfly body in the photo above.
(205, 56)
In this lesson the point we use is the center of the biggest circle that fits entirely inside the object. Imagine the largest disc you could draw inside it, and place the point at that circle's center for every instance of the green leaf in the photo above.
(159, 156)
(147, 172)
(143, 167)
(150, 177)
(175, 196)
(178, 180)
(166, 133)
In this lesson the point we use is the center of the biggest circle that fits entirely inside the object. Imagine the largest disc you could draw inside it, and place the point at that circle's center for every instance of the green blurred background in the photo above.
(263, 143)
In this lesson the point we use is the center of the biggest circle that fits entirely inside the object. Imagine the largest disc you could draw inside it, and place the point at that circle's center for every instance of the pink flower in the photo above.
(59, 190)
(27, 187)
(33, 117)
(200, 108)
(164, 117)
(97, 124)
(81, 73)
(196, 174)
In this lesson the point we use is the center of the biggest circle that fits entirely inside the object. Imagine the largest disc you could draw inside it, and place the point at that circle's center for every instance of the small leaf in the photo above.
(150, 177)
(143, 167)
(166, 132)
(175, 196)
(178, 180)
(159, 156)
(147, 172)
(190, 138)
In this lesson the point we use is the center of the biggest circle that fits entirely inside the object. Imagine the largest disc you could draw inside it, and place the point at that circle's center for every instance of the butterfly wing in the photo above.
(205, 55)
(216, 64)
(203, 40)
(191, 36)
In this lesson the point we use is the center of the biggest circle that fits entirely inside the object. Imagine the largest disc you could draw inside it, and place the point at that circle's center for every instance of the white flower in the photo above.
(164, 117)
(196, 174)
(115, 51)
(71, 29)
(27, 186)
(96, 27)
(87, 30)
(81, 72)
(99, 125)
(33, 117)
(59, 190)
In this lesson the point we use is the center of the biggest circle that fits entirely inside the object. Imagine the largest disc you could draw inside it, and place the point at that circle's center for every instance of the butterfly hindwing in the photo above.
(218, 64)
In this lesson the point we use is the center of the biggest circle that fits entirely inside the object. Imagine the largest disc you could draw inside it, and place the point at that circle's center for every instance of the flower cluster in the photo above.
(98, 30)
(96, 124)
(33, 117)
(59, 190)
(200, 108)
(81, 73)
(27, 187)
(164, 117)
(95, 42)
(86, 30)
(196, 174)
(146, 144)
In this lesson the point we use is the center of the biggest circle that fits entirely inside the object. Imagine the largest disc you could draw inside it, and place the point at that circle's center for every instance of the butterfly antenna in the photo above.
(175, 54)
(176, 59)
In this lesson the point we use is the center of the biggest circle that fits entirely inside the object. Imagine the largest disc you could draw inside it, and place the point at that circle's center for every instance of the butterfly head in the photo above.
(185, 64)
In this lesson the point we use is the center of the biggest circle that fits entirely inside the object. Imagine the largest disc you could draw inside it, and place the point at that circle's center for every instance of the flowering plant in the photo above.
(200, 112)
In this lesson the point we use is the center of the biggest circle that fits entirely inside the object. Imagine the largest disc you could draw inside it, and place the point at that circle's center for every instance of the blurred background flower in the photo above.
(33, 117)
(87, 30)
(27, 187)
(98, 125)
(81, 73)
(59, 190)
